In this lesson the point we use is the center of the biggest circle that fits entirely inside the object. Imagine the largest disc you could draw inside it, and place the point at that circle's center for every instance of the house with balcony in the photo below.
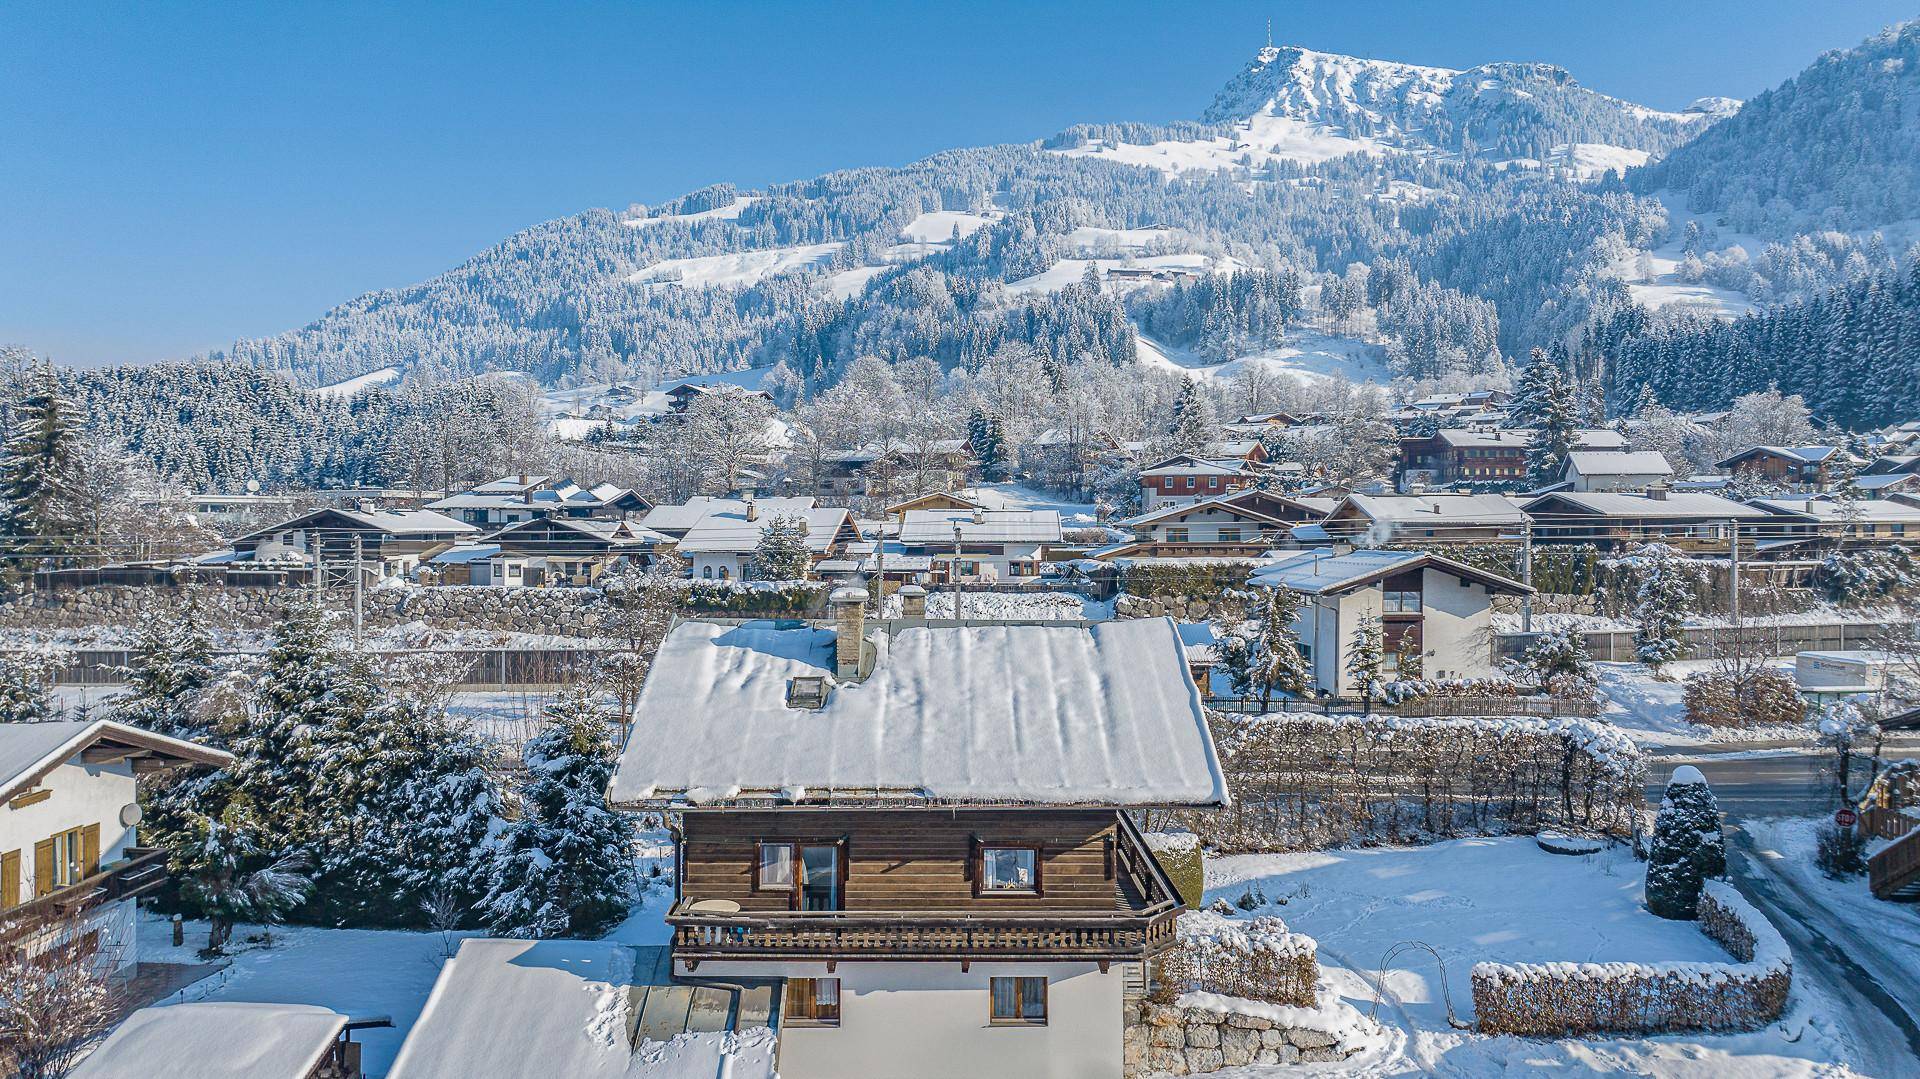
(513, 499)
(1424, 519)
(1240, 525)
(1189, 477)
(981, 544)
(923, 833)
(1858, 521)
(1482, 454)
(721, 535)
(71, 864)
(1431, 607)
(387, 542)
(1617, 520)
(1799, 467)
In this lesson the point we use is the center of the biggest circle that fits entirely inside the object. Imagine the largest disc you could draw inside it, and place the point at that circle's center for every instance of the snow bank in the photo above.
(1559, 999)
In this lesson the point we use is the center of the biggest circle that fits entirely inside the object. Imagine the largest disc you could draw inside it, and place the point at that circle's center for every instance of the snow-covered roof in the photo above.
(1809, 455)
(1518, 438)
(29, 751)
(996, 714)
(1235, 502)
(216, 1041)
(461, 554)
(1829, 511)
(1614, 463)
(724, 529)
(521, 1009)
(1319, 572)
(1621, 504)
(923, 528)
(1486, 509)
(1185, 467)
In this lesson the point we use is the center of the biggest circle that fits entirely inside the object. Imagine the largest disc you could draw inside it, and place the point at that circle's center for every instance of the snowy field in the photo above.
(1654, 713)
(1070, 271)
(1502, 900)
(737, 269)
(1258, 141)
(1310, 356)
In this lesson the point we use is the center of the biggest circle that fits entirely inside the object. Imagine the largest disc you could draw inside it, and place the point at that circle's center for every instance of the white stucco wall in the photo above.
(931, 1021)
(1457, 627)
(707, 566)
(81, 795)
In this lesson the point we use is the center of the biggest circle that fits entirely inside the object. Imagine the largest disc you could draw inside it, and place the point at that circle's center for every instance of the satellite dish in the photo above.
(253, 487)
(130, 814)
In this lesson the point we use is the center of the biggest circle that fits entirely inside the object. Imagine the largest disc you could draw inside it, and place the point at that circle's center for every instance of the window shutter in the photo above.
(90, 850)
(43, 871)
(9, 879)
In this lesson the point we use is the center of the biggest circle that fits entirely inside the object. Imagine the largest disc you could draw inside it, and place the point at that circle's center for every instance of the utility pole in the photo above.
(1733, 575)
(359, 594)
(1526, 575)
(319, 567)
(953, 574)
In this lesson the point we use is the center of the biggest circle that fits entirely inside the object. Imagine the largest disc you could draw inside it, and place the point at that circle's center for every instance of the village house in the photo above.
(224, 1040)
(69, 847)
(1799, 467)
(1430, 607)
(1189, 477)
(388, 542)
(1612, 470)
(513, 499)
(937, 500)
(1614, 521)
(1242, 524)
(1482, 454)
(1859, 520)
(1424, 519)
(721, 542)
(923, 832)
(545, 551)
(682, 397)
(981, 544)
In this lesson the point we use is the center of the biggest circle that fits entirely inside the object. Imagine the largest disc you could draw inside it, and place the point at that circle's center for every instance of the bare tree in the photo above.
(56, 993)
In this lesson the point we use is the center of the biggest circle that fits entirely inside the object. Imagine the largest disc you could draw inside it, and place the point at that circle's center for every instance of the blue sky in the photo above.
(174, 176)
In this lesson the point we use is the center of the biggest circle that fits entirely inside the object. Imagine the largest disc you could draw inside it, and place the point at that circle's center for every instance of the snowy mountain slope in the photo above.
(360, 383)
(740, 268)
(1309, 357)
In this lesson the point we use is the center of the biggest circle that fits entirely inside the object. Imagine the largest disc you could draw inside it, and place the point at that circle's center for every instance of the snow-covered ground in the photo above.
(736, 269)
(1309, 356)
(1017, 496)
(1069, 271)
(1503, 900)
(1255, 143)
(361, 383)
(729, 212)
(937, 226)
(1654, 713)
(1652, 278)
(1787, 843)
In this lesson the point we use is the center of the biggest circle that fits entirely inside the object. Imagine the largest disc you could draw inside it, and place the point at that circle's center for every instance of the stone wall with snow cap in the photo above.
(1205, 1032)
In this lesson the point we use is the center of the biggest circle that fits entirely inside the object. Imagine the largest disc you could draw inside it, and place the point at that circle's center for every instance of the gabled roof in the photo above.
(1187, 464)
(1237, 502)
(1414, 511)
(396, 523)
(933, 500)
(30, 751)
(220, 1040)
(1806, 455)
(1614, 463)
(984, 714)
(596, 531)
(1321, 572)
(1828, 511)
(931, 528)
(724, 528)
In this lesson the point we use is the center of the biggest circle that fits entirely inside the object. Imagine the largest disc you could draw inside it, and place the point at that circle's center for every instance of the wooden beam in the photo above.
(106, 754)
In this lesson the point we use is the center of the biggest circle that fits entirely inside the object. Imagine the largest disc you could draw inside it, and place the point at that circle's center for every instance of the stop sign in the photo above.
(1845, 817)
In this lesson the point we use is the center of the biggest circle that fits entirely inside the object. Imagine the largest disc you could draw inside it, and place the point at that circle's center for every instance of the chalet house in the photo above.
(938, 500)
(721, 543)
(681, 397)
(1190, 478)
(1864, 520)
(1614, 470)
(511, 500)
(1242, 524)
(1481, 454)
(227, 1041)
(981, 544)
(546, 551)
(1248, 451)
(1428, 518)
(923, 832)
(390, 541)
(68, 846)
(1801, 467)
(1434, 607)
(1614, 520)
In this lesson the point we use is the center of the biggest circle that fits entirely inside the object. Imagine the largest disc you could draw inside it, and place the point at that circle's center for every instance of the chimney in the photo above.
(913, 601)
(849, 603)
(753, 510)
(979, 516)
(1658, 492)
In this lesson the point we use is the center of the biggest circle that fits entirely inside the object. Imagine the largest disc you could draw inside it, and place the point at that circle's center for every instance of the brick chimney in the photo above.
(753, 509)
(913, 601)
(849, 604)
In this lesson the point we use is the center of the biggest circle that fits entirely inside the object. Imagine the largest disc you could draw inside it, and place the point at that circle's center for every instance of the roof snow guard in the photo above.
(1004, 715)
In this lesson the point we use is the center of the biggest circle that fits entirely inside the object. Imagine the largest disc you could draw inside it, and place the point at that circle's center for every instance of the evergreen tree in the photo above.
(1547, 403)
(172, 662)
(1277, 663)
(782, 554)
(26, 685)
(1191, 425)
(1233, 657)
(1365, 652)
(987, 438)
(42, 496)
(1661, 604)
(565, 867)
(289, 716)
(1687, 847)
(230, 871)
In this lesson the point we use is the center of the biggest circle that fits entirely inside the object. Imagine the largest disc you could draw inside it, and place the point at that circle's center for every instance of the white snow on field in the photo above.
(361, 383)
(1069, 271)
(1500, 900)
(850, 283)
(1015, 496)
(1652, 276)
(1594, 158)
(1094, 240)
(737, 269)
(1257, 141)
(937, 226)
(573, 428)
(729, 212)
(1309, 357)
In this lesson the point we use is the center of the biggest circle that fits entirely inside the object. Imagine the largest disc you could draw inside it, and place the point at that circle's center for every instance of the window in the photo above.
(1229, 535)
(773, 872)
(1009, 871)
(1019, 1000)
(812, 1001)
(1396, 602)
(70, 859)
(1189, 483)
(820, 877)
(1176, 535)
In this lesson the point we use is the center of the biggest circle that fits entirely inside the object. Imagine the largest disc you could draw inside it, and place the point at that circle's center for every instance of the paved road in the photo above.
(1879, 1001)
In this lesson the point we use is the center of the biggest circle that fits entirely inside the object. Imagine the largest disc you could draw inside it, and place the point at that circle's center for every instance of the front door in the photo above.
(820, 877)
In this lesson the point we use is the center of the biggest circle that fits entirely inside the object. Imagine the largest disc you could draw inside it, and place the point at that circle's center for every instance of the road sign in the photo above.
(1845, 817)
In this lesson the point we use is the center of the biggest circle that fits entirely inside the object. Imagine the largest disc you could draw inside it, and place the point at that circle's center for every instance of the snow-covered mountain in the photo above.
(1498, 110)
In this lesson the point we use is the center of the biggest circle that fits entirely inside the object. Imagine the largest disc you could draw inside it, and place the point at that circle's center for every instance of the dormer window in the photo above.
(807, 691)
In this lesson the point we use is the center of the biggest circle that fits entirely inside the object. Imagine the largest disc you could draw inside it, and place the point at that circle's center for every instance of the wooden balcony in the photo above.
(143, 870)
(1140, 925)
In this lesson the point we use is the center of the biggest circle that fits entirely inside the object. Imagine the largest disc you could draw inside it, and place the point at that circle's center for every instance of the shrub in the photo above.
(1179, 854)
(1687, 846)
(1258, 959)
(1840, 852)
(1760, 697)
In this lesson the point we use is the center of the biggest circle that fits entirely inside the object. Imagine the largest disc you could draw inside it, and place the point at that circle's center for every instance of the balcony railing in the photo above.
(140, 872)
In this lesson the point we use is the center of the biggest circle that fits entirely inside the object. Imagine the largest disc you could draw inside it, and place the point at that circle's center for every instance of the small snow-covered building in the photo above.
(1425, 518)
(70, 858)
(513, 499)
(1800, 467)
(1614, 520)
(724, 535)
(227, 1041)
(1190, 477)
(1612, 470)
(981, 544)
(390, 542)
(883, 786)
(1433, 607)
(1241, 524)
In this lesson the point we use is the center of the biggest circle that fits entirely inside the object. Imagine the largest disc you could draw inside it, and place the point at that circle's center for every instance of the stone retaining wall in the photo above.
(1172, 1040)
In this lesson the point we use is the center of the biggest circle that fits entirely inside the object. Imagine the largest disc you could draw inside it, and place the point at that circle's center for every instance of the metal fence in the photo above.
(487, 668)
(1541, 707)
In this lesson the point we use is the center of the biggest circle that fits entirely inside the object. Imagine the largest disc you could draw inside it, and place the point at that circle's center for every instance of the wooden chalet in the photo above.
(1800, 467)
(1238, 525)
(1614, 521)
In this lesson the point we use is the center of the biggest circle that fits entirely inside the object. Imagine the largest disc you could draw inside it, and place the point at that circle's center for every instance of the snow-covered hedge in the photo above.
(1179, 854)
(1257, 959)
(1415, 689)
(1559, 999)
(1306, 781)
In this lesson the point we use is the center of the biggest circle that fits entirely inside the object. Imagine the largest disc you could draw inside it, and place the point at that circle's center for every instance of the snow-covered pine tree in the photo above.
(1661, 604)
(565, 866)
(782, 554)
(1277, 663)
(229, 871)
(42, 506)
(1559, 653)
(1687, 846)
(987, 437)
(276, 767)
(26, 685)
(1365, 653)
(171, 662)
(1548, 404)
(1191, 425)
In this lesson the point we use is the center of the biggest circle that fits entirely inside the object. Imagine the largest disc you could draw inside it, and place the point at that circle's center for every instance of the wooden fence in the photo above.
(487, 668)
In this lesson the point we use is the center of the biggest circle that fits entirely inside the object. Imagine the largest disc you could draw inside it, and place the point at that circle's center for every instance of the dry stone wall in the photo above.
(1173, 1040)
